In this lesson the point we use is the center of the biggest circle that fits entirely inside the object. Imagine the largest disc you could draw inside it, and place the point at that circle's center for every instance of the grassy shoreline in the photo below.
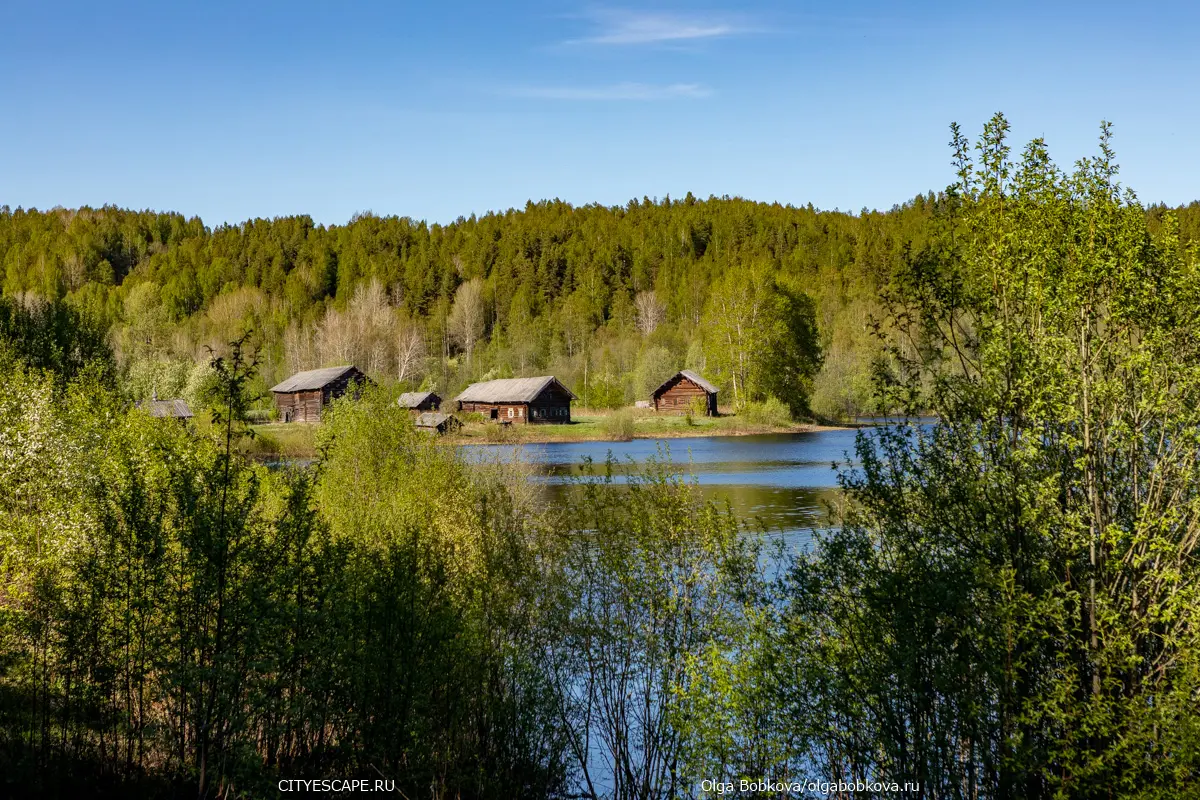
(596, 428)
(294, 440)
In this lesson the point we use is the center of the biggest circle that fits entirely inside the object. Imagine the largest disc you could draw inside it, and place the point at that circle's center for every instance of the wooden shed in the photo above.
(302, 397)
(419, 401)
(524, 400)
(682, 390)
(167, 409)
(434, 422)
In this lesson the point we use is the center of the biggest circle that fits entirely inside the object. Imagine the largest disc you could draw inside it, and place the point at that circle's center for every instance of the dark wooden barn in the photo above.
(418, 402)
(302, 397)
(683, 391)
(523, 400)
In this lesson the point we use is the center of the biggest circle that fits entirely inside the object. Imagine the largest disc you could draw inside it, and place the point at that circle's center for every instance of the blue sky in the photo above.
(435, 110)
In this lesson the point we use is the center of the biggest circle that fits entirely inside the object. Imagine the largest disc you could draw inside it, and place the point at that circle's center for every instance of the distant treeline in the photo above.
(609, 299)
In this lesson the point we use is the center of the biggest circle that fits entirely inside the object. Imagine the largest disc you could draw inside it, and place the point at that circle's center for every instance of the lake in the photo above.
(785, 481)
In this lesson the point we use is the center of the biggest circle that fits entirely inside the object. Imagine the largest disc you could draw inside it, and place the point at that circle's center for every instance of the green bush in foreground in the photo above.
(174, 616)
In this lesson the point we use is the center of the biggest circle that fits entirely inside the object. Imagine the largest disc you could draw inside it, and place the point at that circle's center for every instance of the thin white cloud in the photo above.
(617, 91)
(627, 27)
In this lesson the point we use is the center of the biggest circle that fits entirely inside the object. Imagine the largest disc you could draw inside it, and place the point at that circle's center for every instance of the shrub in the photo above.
(499, 434)
(618, 425)
(771, 412)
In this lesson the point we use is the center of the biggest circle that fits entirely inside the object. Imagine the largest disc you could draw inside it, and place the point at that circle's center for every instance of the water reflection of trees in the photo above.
(776, 509)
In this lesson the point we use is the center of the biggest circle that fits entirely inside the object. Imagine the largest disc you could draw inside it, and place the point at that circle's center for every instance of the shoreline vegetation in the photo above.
(296, 440)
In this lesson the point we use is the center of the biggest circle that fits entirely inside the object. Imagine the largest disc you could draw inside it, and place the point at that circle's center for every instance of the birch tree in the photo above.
(650, 312)
(410, 350)
(737, 326)
(467, 319)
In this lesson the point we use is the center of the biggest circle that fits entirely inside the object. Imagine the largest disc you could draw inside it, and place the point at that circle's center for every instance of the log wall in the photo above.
(680, 396)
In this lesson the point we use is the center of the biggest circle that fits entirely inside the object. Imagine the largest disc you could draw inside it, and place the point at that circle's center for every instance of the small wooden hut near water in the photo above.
(684, 390)
(434, 422)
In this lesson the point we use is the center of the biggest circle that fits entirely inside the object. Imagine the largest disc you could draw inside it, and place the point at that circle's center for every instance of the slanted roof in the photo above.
(177, 409)
(510, 390)
(313, 379)
(414, 399)
(432, 419)
(691, 376)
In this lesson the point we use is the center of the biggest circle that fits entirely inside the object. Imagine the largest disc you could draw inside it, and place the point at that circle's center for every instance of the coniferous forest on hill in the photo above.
(1004, 606)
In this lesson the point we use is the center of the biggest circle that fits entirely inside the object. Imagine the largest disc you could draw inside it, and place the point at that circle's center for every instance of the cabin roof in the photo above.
(431, 419)
(510, 390)
(414, 399)
(177, 409)
(691, 376)
(313, 379)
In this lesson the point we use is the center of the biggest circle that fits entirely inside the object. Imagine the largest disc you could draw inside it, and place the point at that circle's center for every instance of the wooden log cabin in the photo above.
(436, 423)
(419, 402)
(519, 400)
(685, 390)
(302, 397)
(167, 409)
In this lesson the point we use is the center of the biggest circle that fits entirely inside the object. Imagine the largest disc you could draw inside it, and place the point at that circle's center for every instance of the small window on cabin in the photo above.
(510, 412)
(520, 412)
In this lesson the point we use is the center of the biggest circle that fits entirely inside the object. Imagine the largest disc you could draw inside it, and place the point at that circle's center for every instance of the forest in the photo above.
(1007, 605)
(765, 300)
(610, 300)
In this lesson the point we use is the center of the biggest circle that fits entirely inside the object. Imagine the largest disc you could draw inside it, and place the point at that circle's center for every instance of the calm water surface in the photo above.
(785, 481)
